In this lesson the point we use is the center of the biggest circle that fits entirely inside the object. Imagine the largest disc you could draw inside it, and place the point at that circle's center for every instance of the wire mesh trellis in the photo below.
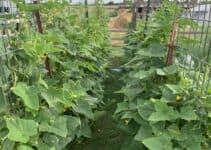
(193, 41)
(200, 35)
(196, 43)
(9, 24)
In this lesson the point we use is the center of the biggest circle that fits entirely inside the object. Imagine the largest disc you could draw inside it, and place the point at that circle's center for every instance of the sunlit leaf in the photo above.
(163, 112)
(20, 130)
(29, 95)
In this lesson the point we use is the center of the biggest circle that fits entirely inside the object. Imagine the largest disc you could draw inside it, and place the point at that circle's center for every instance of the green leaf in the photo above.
(20, 130)
(158, 127)
(24, 147)
(8, 145)
(29, 95)
(143, 133)
(158, 143)
(161, 72)
(54, 141)
(75, 89)
(175, 132)
(187, 113)
(163, 112)
(146, 109)
(192, 137)
(130, 92)
(141, 74)
(174, 88)
(57, 126)
(123, 106)
(54, 97)
(83, 107)
(72, 124)
(154, 50)
(170, 92)
(170, 70)
(43, 146)
(85, 129)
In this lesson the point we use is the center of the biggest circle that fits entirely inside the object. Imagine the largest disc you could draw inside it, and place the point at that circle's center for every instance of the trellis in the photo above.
(196, 54)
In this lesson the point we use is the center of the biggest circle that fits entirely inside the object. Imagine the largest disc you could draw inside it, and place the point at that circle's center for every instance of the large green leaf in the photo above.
(175, 132)
(29, 95)
(8, 145)
(188, 113)
(167, 94)
(145, 109)
(43, 146)
(158, 127)
(84, 129)
(72, 124)
(163, 112)
(142, 74)
(54, 141)
(83, 107)
(24, 147)
(58, 126)
(54, 97)
(21, 130)
(154, 50)
(123, 106)
(130, 92)
(143, 133)
(192, 137)
(75, 89)
(158, 143)
(174, 88)
(167, 70)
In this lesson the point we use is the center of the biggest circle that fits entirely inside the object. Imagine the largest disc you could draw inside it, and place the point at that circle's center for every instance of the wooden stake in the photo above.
(40, 30)
(171, 46)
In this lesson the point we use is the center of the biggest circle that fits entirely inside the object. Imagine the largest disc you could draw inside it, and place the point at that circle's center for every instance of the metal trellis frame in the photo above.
(193, 41)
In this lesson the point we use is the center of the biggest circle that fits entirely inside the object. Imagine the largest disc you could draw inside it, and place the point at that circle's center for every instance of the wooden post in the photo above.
(171, 46)
(147, 16)
(87, 9)
(40, 30)
(134, 17)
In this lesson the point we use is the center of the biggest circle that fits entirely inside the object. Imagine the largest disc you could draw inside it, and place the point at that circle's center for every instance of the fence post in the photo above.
(171, 46)
(40, 30)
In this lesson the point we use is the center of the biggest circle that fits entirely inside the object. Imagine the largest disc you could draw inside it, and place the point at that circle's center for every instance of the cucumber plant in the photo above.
(162, 108)
(48, 112)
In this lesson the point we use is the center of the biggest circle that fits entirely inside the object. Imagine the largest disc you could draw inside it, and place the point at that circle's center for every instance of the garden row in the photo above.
(51, 81)
(166, 106)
